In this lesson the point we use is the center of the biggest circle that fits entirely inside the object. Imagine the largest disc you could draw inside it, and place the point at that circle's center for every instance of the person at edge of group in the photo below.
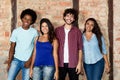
(94, 51)
(22, 44)
(70, 46)
(44, 64)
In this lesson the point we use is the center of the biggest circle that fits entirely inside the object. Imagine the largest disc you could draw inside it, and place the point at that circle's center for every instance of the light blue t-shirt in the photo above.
(91, 49)
(24, 40)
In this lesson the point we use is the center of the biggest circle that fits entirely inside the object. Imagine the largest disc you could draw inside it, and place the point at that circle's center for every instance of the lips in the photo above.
(45, 30)
(68, 20)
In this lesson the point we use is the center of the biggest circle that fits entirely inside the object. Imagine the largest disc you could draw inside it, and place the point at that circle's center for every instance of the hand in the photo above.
(82, 71)
(107, 68)
(8, 67)
(8, 64)
(56, 74)
(31, 72)
(78, 69)
(27, 63)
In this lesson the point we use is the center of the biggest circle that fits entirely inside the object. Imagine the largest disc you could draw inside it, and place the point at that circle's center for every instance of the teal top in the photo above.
(24, 40)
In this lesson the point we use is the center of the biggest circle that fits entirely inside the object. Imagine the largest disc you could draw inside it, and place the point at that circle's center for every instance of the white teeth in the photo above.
(69, 20)
(26, 23)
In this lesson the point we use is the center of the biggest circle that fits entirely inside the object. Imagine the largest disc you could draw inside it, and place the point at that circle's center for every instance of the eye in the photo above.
(87, 23)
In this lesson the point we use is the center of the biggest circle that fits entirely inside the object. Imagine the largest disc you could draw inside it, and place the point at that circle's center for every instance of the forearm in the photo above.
(55, 53)
(80, 57)
(33, 59)
(56, 61)
(11, 52)
(10, 58)
(106, 59)
(34, 54)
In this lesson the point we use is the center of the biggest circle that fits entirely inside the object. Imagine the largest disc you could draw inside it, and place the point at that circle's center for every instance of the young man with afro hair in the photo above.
(22, 43)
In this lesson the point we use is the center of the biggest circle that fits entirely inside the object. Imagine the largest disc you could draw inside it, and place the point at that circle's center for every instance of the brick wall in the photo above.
(53, 9)
(116, 41)
(5, 27)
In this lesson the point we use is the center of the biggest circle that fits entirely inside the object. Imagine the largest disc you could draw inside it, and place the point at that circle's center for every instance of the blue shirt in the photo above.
(44, 54)
(24, 40)
(91, 49)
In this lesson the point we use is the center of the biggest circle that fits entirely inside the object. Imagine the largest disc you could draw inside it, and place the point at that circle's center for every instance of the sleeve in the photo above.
(104, 51)
(80, 41)
(13, 37)
(36, 33)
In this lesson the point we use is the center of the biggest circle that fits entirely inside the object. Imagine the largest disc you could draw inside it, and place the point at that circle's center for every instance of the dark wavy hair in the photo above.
(71, 11)
(96, 30)
(51, 33)
(30, 12)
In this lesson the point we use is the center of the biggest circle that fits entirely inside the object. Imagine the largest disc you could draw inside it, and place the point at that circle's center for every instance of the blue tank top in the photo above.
(44, 54)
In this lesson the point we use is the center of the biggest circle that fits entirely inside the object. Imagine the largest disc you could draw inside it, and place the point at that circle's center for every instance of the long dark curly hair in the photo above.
(51, 33)
(96, 30)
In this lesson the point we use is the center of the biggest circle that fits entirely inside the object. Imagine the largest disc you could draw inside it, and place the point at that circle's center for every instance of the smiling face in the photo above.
(26, 21)
(69, 18)
(89, 26)
(44, 28)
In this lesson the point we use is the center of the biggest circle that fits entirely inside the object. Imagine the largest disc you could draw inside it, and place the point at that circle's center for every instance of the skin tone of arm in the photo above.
(107, 65)
(33, 58)
(79, 66)
(55, 56)
(11, 54)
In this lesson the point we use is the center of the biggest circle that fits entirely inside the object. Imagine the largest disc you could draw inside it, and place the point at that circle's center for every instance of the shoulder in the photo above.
(59, 28)
(77, 30)
(36, 38)
(55, 41)
(83, 35)
(33, 29)
(16, 30)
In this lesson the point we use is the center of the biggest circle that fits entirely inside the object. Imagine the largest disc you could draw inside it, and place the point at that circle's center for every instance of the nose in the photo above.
(27, 20)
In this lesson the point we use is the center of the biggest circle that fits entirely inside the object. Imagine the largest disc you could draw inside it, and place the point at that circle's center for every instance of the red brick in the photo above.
(118, 39)
(64, 3)
(7, 34)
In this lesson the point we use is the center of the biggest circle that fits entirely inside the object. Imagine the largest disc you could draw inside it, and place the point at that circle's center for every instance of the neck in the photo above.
(45, 35)
(24, 27)
(68, 26)
(88, 32)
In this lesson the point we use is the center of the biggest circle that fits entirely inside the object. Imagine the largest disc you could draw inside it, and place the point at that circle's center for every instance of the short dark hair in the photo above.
(71, 11)
(30, 12)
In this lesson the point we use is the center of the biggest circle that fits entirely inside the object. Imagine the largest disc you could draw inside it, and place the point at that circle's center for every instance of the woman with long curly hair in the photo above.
(94, 49)
(44, 64)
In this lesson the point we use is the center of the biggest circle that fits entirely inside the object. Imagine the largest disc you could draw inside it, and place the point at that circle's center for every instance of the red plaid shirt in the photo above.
(74, 43)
